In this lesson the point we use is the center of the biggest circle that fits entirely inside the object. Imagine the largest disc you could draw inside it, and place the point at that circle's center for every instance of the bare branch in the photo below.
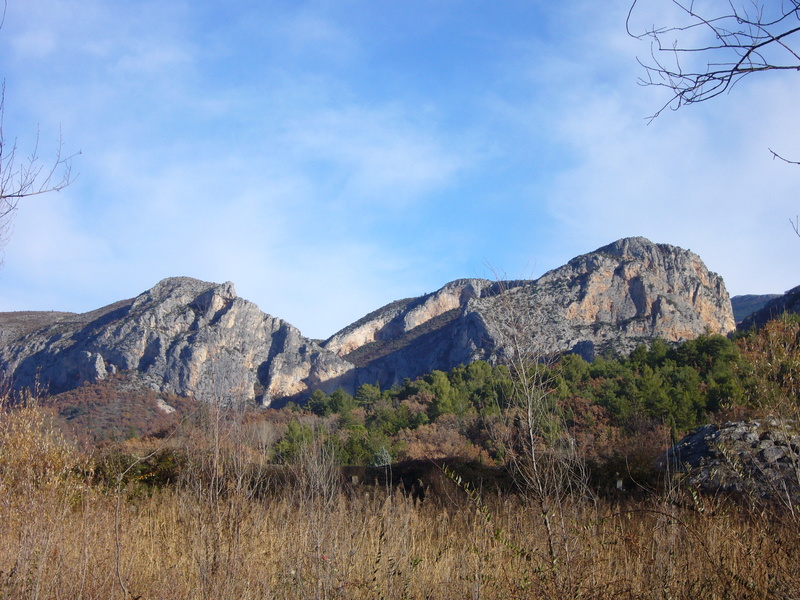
(745, 39)
(779, 157)
(28, 177)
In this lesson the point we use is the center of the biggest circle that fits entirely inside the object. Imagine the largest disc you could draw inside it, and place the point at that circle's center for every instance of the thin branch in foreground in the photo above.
(779, 157)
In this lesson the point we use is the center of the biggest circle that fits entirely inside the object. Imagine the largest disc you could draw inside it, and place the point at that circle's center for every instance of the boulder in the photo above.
(758, 459)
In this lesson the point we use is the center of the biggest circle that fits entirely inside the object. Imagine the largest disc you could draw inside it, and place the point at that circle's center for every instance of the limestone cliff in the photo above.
(627, 293)
(614, 298)
(182, 336)
(199, 339)
(397, 319)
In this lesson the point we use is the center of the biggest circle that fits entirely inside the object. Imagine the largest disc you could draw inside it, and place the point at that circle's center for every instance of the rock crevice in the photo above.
(200, 339)
(183, 336)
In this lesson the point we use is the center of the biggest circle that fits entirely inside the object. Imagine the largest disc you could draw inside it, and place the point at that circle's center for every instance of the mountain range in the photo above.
(198, 339)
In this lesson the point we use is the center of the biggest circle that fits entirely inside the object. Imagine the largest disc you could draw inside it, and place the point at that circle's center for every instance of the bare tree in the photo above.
(542, 454)
(27, 175)
(733, 39)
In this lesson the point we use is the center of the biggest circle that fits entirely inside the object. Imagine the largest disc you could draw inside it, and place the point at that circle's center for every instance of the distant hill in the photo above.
(200, 340)
(788, 302)
(744, 306)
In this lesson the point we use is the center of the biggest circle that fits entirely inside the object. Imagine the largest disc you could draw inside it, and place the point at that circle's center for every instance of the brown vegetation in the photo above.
(116, 409)
(226, 503)
(229, 530)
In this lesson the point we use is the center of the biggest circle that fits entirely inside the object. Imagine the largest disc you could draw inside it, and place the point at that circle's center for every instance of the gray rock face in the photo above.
(615, 298)
(759, 459)
(190, 337)
(182, 336)
(624, 294)
(398, 318)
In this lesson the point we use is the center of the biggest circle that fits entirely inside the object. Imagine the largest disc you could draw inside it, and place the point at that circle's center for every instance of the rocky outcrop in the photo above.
(194, 338)
(752, 459)
(614, 298)
(183, 336)
(399, 318)
(624, 294)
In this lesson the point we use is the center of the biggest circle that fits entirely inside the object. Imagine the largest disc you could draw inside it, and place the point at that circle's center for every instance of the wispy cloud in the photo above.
(330, 157)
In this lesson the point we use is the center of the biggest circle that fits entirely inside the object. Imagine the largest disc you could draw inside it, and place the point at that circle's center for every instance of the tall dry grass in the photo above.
(66, 537)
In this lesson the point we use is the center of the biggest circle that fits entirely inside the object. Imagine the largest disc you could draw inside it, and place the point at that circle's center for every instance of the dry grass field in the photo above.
(221, 532)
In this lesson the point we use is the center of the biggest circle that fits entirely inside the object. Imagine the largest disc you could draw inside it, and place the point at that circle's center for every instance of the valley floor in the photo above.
(70, 540)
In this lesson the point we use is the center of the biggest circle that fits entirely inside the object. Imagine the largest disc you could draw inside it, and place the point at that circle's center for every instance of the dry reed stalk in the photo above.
(58, 541)
(389, 547)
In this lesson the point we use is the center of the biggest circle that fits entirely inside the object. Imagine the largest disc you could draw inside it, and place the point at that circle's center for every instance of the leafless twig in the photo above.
(21, 178)
(744, 38)
(779, 157)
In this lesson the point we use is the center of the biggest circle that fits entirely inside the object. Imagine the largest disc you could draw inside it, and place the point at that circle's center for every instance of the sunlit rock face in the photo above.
(200, 339)
(630, 292)
(399, 318)
(182, 336)
(614, 298)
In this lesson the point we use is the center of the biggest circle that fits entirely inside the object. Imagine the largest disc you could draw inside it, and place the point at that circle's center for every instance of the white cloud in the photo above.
(250, 144)
(384, 155)
(700, 177)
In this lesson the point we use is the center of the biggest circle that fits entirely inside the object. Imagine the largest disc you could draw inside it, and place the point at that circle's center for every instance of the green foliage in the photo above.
(367, 395)
(372, 418)
(677, 386)
(362, 446)
(319, 403)
(341, 402)
(443, 394)
(296, 437)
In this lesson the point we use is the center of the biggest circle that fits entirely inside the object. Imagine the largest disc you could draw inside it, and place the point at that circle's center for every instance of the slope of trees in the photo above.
(676, 388)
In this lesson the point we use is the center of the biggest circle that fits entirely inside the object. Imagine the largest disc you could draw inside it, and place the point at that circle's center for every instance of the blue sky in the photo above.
(330, 157)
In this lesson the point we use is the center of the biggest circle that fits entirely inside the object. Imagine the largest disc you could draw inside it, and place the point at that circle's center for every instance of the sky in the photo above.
(330, 157)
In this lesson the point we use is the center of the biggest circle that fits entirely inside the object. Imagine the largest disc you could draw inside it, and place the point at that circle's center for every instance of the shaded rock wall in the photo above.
(182, 336)
(615, 298)
(786, 303)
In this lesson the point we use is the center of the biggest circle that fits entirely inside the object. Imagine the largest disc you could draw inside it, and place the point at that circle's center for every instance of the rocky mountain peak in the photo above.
(615, 298)
(182, 336)
(638, 248)
(200, 339)
(647, 289)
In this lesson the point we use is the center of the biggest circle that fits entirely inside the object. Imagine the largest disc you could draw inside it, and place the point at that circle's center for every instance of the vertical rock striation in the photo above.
(182, 336)
(199, 339)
